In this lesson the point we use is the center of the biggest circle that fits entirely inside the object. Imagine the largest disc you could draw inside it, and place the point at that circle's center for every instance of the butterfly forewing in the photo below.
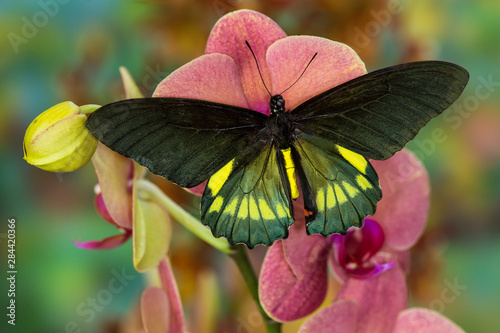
(183, 140)
(376, 114)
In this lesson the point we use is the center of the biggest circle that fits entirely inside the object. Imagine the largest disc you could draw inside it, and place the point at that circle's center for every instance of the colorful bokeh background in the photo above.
(55, 50)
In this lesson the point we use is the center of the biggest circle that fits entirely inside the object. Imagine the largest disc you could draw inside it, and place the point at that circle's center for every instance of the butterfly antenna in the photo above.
(256, 62)
(314, 56)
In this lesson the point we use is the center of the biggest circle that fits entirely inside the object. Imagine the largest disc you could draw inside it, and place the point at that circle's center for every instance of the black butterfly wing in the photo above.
(252, 204)
(183, 140)
(372, 116)
(340, 187)
(376, 114)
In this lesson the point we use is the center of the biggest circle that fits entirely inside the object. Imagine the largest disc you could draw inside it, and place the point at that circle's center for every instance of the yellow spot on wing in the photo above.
(281, 211)
(216, 205)
(290, 172)
(357, 161)
(320, 200)
(363, 182)
(330, 198)
(243, 212)
(231, 207)
(265, 210)
(254, 209)
(351, 190)
(340, 194)
(220, 177)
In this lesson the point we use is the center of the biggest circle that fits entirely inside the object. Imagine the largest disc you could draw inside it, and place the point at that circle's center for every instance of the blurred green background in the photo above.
(52, 51)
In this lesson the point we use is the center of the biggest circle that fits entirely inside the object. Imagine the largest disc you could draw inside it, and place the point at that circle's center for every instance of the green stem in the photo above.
(178, 213)
(241, 259)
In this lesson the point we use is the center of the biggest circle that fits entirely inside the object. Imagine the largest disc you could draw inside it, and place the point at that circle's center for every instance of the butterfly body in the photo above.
(280, 123)
(255, 163)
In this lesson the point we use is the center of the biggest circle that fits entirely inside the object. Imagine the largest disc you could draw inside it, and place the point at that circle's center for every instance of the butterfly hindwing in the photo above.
(376, 114)
(183, 140)
(342, 185)
(249, 204)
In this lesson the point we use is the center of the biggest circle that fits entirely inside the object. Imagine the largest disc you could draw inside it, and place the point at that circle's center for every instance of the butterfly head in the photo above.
(277, 104)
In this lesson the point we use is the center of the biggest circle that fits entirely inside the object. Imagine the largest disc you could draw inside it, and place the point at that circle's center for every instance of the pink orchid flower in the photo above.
(114, 192)
(362, 253)
(374, 297)
(119, 202)
(371, 262)
(385, 237)
(113, 199)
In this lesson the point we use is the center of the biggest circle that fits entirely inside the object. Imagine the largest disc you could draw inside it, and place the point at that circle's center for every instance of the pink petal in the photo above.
(113, 172)
(287, 58)
(170, 288)
(404, 207)
(228, 37)
(358, 246)
(372, 239)
(102, 210)
(417, 320)
(155, 310)
(370, 271)
(339, 317)
(380, 299)
(198, 190)
(294, 286)
(302, 251)
(212, 77)
(379, 264)
(105, 244)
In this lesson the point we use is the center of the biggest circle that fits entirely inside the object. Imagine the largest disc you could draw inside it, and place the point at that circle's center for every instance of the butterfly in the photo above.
(252, 161)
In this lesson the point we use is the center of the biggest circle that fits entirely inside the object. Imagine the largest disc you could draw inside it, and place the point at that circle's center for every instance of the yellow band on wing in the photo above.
(290, 172)
(358, 161)
(220, 177)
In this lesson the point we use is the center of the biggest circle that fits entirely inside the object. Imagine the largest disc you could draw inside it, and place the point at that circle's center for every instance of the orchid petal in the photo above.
(198, 189)
(170, 288)
(113, 172)
(287, 58)
(370, 271)
(228, 36)
(102, 210)
(380, 299)
(129, 85)
(302, 251)
(337, 260)
(211, 77)
(293, 284)
(418, 320)
(155, 310)
(372, 240)
(106, 243)
(403, 210)
(356, 249)
(152, 232)
(339, 317)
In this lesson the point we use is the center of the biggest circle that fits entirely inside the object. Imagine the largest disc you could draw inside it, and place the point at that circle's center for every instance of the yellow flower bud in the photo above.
(58, 141)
